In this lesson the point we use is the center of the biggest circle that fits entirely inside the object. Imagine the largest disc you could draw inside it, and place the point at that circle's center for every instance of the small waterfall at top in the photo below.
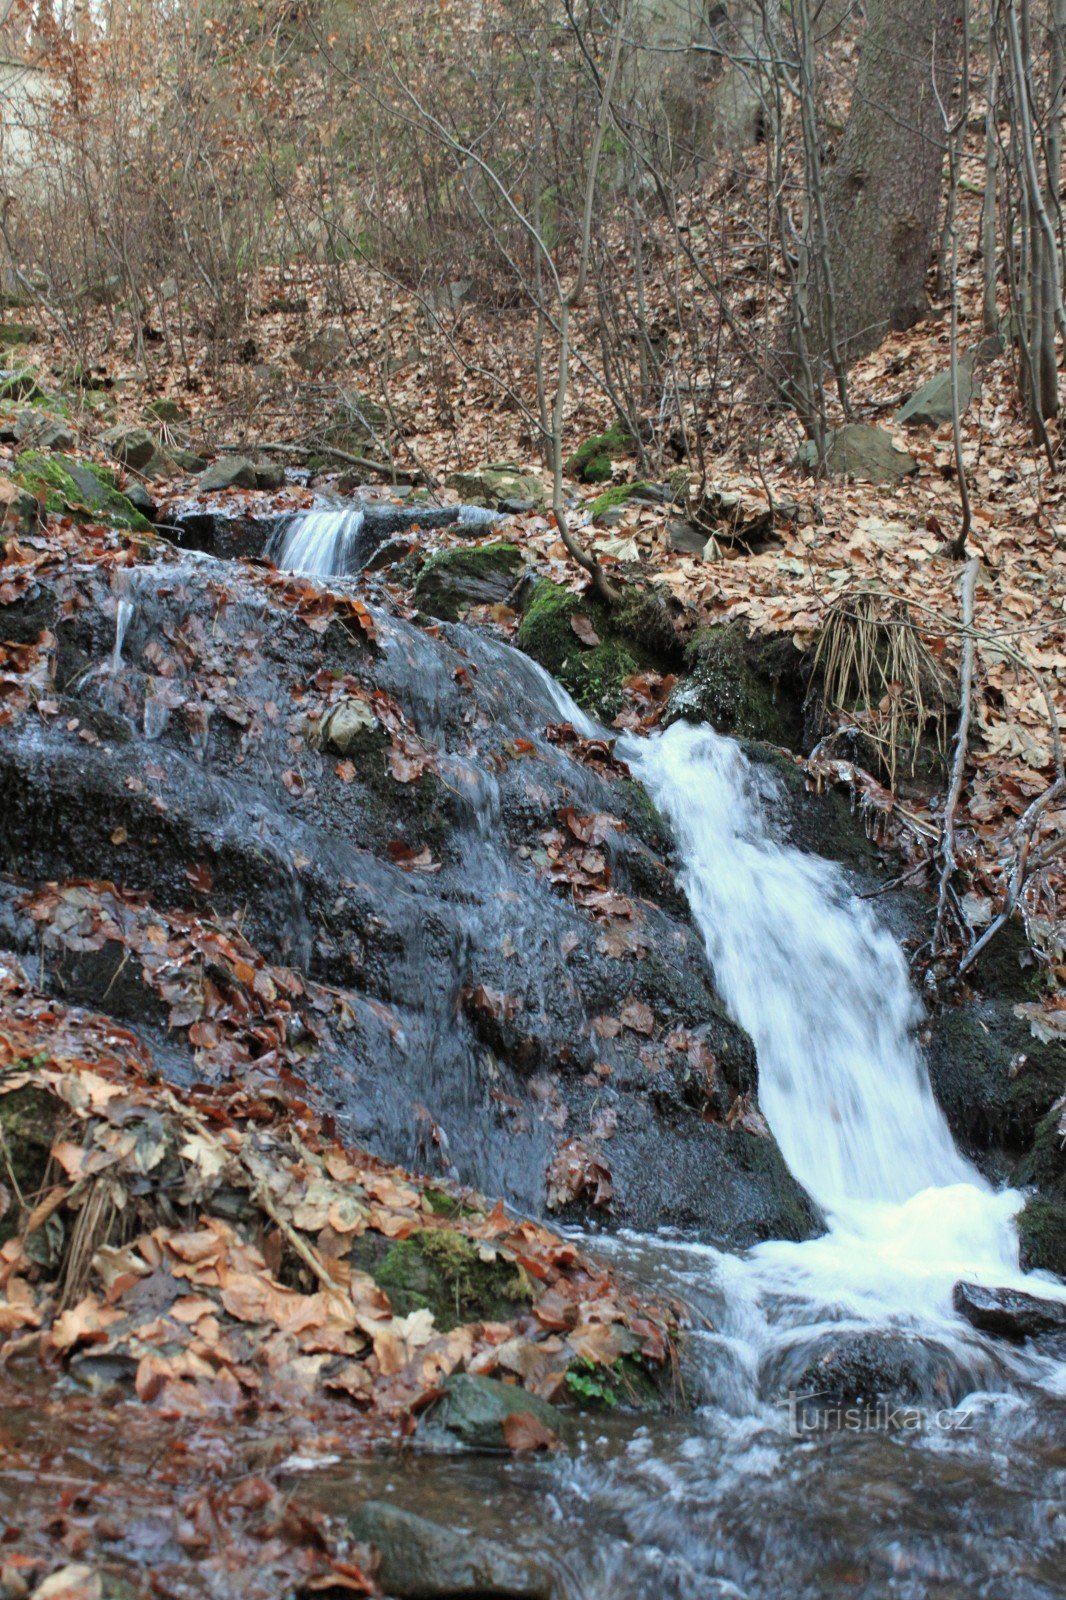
(321, 543)
(825, 995)
(123, 616)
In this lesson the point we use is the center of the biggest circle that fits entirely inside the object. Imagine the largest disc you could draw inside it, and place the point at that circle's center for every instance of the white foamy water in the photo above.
(824, 992)
(321, 543)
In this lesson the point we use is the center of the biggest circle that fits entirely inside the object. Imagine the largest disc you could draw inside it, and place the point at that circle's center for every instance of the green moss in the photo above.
(593, 461)
(453, 580)
(725, 689)
(13, 334)
(632, 635)
(62, 484)
(20, 386)
(615, 496)
(1042, 1235)
(440, 1270)
(28, 1120)
(166, 410)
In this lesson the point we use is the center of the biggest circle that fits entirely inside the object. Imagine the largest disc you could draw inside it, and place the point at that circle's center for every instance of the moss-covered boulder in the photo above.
(501, 484)
(1042, 1223)
(593, 460)
(617, 496)
(139, 449)
(20, 384)
(476, 1411)
(478, 575)
(593, 649)
(28, 1119)
(62, 485)
(735, 684)
(441, 1270)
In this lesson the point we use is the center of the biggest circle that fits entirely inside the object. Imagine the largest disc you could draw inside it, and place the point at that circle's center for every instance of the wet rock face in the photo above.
(526, 998)
(1009, 1313)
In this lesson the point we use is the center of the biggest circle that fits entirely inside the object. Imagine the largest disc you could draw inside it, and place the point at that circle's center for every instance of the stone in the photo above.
(473, 1411)
(1008, 1313)
(42, 431)
(453, 581)
(344, 725)
(138, 449)
(229, 472)
(423, 1560)
(188, 460)
(866, 454)
(165, 410)
(930, 406)
(61, 484)
(686, 538)
(269, 475)
(489, 486)
(140, 499)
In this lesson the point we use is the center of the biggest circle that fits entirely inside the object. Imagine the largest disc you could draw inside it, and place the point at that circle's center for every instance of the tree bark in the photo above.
(883, 190)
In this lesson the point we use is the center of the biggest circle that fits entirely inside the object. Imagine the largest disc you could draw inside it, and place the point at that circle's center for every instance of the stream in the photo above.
(770, 1487)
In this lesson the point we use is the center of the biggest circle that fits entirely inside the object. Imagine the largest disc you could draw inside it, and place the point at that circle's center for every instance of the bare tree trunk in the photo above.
(883, 191)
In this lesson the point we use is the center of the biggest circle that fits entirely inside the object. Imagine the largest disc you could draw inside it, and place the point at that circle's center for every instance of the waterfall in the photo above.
(824, 992)
(123, 617)
(320, 543)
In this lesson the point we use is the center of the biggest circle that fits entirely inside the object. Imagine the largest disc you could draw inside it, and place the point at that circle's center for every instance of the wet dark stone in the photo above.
(1008, 1313)
(480, 1088)
(472, 1411)
(423, 1560)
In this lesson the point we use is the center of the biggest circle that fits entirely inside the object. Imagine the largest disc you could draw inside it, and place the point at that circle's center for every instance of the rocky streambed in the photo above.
(494, 980)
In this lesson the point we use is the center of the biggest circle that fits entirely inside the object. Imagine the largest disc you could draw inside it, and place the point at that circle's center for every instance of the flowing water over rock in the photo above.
(959, 1491)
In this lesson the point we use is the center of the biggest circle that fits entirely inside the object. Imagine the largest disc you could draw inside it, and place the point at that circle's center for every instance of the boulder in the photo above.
(1008, 1313)
(474, 1411)
(230, 472)
(871, 1369)
(423, 1560)
(269, 475)
(42, 431)
(188, 460)
(62, 484)
(866, 454)
(491, 485)
(743, 687)
(138, 449)
(686, 538)
(930, 406)
(454, 580)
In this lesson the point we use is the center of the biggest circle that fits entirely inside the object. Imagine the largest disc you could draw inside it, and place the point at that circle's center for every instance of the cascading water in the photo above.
(321, 543)
(825, 995)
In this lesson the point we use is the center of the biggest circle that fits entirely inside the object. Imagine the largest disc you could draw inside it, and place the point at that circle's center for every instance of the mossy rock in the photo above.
(164, 410)
(633, 635)
(440, 1270)
(61, 484)
(475, 575)
(593, 461)
(617, 495)
(13, 334)
(729, 686)
(28, 1119)
(1042, 1222)
(1042, 1235)
(499, 484)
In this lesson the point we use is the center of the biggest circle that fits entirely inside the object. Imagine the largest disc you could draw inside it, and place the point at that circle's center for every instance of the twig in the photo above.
(962, 745)
(1024, 833)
